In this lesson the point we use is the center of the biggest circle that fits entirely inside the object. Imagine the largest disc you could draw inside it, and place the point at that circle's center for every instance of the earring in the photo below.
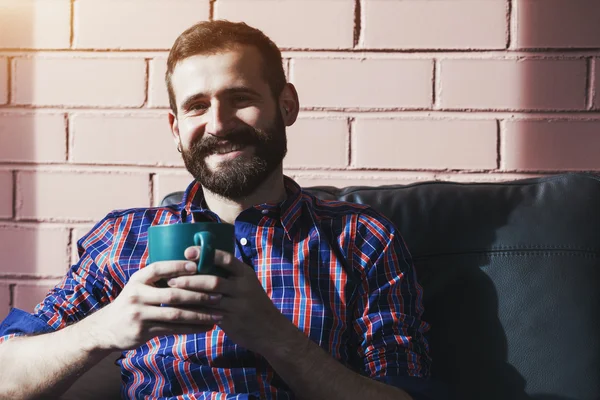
(287, 111)
(179, 147)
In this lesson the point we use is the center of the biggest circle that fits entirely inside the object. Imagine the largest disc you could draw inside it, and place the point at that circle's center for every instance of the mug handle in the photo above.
(207, 252)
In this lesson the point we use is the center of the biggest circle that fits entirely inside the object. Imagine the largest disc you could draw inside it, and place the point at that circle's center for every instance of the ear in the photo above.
(289, 104)
(174, 123)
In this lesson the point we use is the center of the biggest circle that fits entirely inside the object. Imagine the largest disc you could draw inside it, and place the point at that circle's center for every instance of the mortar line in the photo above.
(211, 10)
(591, 82)
(510, 24)
(434, 96)
(9, 68)
(438, 84)
(499, 130)
(68, 137)
(70, 249)
(147, 83)
(357, 23)
(151, 188)
(415, 53)
(11, 295)
(72, 22)
(351, 122)
(14, 195)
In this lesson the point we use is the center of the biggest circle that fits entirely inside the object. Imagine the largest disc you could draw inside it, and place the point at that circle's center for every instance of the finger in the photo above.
(177, 329)
(210, 284)
(177, 296)
(163, 270)
(222, 258)
(225, 305)
(175, 315)
(230, 263)
(192, 253)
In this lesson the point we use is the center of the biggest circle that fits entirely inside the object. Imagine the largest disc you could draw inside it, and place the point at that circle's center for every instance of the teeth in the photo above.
(228, 148)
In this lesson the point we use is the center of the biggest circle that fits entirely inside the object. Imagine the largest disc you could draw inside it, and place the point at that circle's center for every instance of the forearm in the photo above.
(312, 373)
(46, 365)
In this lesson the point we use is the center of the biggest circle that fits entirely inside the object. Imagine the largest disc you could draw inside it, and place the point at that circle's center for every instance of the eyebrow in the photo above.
(229, 91)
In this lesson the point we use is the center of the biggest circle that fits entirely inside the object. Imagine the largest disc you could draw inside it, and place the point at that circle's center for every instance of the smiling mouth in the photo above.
(228, 148)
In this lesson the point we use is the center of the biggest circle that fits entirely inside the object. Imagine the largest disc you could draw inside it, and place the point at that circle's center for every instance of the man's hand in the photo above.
(250, 318)
(136, 315)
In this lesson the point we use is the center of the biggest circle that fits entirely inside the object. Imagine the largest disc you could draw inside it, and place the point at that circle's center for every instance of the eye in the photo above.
(197, 108)
(241, 100)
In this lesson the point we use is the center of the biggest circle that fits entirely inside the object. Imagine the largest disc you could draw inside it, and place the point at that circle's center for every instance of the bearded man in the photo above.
(321, 300)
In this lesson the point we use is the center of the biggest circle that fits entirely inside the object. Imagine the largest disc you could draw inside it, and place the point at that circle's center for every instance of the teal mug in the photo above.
(168, 243)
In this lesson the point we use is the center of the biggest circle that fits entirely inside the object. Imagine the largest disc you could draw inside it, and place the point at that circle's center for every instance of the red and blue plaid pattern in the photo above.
(339, 271)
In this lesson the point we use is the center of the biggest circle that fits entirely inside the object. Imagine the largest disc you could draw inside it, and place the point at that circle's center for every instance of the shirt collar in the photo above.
(288, 211)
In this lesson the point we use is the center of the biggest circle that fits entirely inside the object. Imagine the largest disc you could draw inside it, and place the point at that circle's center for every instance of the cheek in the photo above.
(252, 116)
(189, 129)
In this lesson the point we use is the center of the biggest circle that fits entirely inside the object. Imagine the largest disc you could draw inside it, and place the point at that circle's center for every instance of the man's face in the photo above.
(230, 127)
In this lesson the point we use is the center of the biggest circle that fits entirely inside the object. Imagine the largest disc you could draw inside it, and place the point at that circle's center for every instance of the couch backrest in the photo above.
(511, 276)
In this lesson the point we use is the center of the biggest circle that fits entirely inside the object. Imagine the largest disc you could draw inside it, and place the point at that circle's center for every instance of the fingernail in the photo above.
(172, 282)
(191, 267)
(216, 318)
(214, 297)
(193, 252)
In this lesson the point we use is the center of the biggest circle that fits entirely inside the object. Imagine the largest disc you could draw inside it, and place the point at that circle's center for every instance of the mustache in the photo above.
(242, 136)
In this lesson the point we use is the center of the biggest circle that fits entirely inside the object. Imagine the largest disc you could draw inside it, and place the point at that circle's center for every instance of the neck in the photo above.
(271, 190)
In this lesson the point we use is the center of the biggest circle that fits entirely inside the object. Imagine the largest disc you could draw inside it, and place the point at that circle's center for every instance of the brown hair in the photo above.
(213, 37)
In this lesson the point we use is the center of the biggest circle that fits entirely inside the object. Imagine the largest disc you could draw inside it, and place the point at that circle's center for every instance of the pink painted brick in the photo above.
(78, 196)
(91, 82)
(440, 24)
(135, 24)
(157, 90)
(3, 80)
(424, 144)
(35, 24)
(4, 299)
(326, 24)
(315, 143)
(371, 83)
(513, 85)
(29, 250)
(142, 139)
(551, 145)
(557, 24)
(6, 194)
(33, 137)
(29, 294)
(165, 184)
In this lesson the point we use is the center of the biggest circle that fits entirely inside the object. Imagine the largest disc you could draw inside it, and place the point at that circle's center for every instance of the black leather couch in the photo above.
(511, 277)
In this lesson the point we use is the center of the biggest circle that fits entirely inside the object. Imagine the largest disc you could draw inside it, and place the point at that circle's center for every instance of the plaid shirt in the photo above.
(339, 271)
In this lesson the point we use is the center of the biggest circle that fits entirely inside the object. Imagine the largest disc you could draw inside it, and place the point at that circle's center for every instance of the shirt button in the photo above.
(244, 241)
(265, 212)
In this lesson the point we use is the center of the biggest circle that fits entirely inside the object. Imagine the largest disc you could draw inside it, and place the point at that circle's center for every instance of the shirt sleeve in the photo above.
(389, 331)
(87, 287)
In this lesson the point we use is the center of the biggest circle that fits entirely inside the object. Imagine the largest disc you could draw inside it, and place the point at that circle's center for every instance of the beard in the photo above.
(239, 177)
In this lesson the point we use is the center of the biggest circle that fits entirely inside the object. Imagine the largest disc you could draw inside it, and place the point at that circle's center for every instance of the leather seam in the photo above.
(544, 247)
(518, 183)
(547, 253)
(589, 254)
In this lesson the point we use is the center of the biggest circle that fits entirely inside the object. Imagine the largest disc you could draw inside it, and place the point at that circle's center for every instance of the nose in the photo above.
(219, 119)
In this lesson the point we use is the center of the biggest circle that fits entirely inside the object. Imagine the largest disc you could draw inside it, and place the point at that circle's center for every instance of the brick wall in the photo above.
(393, 91)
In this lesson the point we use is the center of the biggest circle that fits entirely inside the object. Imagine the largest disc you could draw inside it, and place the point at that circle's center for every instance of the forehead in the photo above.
(210, 73)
